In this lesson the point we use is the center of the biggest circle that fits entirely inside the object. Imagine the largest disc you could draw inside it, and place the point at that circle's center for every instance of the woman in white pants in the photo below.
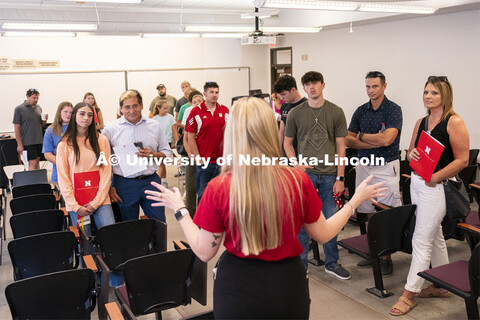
(428, 243)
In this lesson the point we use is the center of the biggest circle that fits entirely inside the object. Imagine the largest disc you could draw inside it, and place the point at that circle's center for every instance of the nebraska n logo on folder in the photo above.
(86, 186)
(430, 150)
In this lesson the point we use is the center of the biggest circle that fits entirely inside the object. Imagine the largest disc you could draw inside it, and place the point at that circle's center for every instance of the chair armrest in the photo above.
(474, 186)
(381, 206)
(75, 231)
(406, 175)
(89, 263)
(178, 244)
(113, 311)
(469, 228)
(102, 264)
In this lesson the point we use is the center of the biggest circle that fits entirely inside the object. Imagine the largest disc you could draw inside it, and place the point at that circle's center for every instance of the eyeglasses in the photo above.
(439, 78)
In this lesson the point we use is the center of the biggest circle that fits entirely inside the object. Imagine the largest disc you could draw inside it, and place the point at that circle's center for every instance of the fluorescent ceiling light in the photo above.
(245, 29)
(38, 34)
(310, 4)
(107, 1)
(170, 35)
(251, 15)
(49, 26)
(223, 35)
(292, 29)
(373, 7)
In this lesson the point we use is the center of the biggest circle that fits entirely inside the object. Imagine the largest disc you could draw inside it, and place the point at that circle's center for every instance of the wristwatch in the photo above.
(340, 178)
(360, 136)
(180, 213)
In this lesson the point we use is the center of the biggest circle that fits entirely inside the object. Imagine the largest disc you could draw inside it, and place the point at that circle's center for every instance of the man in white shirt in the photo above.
(132, 127)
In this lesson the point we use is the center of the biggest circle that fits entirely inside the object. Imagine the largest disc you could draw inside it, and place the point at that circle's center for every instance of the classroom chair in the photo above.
(385, 235)
(461, 278)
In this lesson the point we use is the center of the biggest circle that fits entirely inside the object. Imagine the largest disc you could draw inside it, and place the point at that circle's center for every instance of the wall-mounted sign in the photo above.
(49, 63)
(5, 63)
(8, 64)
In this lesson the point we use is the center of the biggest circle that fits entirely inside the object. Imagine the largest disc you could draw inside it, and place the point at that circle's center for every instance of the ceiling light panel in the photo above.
(223, 35)
(49, 26)
(106, 1)
(170, 35)
(292, 29)
(310, 4)
(244, 29)
(373, 7)
(38, 34)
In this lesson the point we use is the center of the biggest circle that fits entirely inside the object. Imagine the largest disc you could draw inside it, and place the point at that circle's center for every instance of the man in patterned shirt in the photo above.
(375, 130)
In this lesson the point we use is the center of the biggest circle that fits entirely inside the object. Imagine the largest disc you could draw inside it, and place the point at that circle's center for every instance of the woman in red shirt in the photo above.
(260, 275)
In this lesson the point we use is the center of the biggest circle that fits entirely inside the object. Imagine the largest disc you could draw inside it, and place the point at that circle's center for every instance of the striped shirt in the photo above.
(147, 131)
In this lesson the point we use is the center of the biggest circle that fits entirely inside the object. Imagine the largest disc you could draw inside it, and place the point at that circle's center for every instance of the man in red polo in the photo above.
(205, 128)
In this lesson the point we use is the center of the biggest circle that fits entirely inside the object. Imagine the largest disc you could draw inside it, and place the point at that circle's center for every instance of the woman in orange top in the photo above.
(77, 156)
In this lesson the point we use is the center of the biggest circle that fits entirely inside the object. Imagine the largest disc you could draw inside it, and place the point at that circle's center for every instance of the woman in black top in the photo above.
(428, 243)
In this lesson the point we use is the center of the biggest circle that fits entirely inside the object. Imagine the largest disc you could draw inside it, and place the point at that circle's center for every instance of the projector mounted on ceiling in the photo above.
(257, 37)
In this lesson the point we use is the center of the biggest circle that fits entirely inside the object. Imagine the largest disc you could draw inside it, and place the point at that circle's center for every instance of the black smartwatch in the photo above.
(340, 178)
(180, 213)
(360, 136)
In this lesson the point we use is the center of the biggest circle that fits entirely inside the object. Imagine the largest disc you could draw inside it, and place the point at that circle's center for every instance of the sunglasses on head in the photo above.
(439, 78)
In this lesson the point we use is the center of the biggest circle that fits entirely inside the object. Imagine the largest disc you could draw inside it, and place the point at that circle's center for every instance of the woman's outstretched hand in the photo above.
(366, 191)
(165, 198)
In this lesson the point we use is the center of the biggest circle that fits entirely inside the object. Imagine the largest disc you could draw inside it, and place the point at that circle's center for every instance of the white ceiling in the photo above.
(171, 15)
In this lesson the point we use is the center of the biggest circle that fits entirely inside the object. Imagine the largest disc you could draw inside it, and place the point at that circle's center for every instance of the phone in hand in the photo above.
(138, 144)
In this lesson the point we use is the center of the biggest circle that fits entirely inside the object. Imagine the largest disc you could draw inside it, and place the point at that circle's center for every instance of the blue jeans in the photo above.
(203, 176)
(324, 183)
(103, 216)
(132, 193)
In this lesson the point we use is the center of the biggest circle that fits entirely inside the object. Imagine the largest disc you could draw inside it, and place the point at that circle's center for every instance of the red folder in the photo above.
(86, 186)
(430, 150)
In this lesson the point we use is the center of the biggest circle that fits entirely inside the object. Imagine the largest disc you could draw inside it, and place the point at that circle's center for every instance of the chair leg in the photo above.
(158, 315)
(472, 308)
(362, 218)
(316, 261)
(378, 290)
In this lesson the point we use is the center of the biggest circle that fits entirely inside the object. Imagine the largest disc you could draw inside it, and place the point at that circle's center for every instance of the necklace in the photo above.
(314, 115)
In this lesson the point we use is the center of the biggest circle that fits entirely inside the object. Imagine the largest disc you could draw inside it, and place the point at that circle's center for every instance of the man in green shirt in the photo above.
(162, 94)
(320, 128)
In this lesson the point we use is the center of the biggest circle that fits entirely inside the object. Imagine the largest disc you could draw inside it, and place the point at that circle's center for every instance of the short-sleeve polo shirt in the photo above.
(367, 120)
(209, 128)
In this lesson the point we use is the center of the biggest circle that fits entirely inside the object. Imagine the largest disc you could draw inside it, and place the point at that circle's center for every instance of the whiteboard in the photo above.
(107, 86)
(234, 81)
(60, 86)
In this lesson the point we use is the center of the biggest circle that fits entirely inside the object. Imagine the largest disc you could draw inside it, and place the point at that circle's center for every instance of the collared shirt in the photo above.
(209, 128)
(147, 131)
(30, 120)
(367, 120)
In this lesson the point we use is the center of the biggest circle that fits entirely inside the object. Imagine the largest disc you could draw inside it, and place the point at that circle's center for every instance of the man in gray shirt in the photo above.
(320, 128)
(162, 94)
(28, 123)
